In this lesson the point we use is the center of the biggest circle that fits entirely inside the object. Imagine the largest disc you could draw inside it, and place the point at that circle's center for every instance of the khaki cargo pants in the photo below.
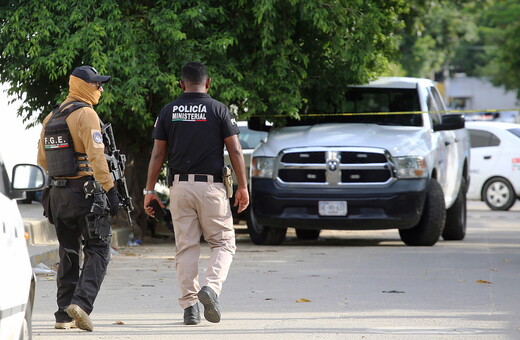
(201, 208)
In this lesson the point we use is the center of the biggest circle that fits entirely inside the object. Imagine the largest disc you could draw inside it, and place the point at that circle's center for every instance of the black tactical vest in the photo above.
(62, 160)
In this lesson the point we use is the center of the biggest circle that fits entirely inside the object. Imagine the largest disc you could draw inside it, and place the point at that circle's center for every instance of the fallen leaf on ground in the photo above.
(483, 281)
(119, 322)
(303, 300)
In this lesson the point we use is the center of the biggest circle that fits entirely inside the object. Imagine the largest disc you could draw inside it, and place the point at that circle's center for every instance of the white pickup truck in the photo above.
(391, 160)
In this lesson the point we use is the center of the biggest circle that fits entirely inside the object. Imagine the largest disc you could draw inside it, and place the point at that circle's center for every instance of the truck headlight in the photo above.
(262, 167)
(411, 167)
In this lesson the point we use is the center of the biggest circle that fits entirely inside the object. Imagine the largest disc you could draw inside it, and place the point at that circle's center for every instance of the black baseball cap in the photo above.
(89, 74)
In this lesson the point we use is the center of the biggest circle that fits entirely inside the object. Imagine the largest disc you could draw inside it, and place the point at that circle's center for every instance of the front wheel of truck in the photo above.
(455, 228)
(431, 225)
(261, 234)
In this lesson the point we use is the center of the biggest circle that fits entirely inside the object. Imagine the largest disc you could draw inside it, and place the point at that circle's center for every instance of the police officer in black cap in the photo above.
(71, 149)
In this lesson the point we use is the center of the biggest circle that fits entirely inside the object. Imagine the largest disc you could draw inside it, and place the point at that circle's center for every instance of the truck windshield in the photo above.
(358, 103)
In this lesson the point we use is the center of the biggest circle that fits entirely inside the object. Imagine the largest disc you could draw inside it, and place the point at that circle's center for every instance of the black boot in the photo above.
(208, 298)
(192, 315)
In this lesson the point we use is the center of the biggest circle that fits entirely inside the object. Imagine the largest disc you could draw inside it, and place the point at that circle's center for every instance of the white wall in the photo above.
(17, 144)
(480, 94)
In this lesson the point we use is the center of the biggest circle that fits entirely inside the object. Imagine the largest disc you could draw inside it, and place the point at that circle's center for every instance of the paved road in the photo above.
(347, 285)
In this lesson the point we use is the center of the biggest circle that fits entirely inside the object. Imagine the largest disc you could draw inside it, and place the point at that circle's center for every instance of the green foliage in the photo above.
(265, 57)
(495, 54)
(499, 32)
(434, 30)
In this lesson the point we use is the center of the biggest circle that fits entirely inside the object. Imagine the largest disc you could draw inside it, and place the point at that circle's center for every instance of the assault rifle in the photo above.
(116, 163)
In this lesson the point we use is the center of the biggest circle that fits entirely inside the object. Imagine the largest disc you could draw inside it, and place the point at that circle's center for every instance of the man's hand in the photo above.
(113, 200)
(148, 198)
(241, 199)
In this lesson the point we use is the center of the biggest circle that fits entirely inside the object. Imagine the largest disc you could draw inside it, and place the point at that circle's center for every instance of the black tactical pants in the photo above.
(69, 207)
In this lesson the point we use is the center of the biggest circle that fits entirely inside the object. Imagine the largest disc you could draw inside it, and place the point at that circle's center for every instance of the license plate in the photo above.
(333, 208)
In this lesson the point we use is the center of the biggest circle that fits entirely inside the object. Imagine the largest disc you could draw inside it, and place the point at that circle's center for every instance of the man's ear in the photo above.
(181, 85)
(208, 82)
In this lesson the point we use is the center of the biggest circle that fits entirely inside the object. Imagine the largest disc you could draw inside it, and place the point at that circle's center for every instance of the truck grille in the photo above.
(335, 166)
(362, 157)
(304, 157)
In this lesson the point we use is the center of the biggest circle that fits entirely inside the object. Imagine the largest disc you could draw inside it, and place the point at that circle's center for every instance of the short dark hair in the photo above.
(194, 72)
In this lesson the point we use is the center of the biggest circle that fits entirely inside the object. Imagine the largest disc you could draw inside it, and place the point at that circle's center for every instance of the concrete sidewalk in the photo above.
(43, 243)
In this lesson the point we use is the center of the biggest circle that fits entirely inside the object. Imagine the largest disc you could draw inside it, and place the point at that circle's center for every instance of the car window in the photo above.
(437, 98)
(515, 132)
(434, 104)
(480, 139)
(249, 139)
(369, 100)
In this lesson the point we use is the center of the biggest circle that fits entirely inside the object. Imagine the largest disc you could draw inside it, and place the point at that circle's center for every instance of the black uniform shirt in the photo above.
(195, 126)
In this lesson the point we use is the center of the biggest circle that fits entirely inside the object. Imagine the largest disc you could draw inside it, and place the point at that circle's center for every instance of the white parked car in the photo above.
(503, 116)
(17, 286)
(495, 163)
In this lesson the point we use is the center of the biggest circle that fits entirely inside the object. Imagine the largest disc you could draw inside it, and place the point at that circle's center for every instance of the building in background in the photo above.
(481, 97)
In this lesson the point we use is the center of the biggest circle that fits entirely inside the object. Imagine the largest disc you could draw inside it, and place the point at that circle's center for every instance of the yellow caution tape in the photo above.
(399, 112)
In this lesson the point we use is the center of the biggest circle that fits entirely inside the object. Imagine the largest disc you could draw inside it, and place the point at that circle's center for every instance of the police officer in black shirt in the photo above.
(192, 131)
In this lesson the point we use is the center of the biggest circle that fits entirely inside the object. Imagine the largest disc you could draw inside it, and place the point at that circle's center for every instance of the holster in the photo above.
(46, 203)
(227, 179)
(99, 227)
(98, 219)
(169, 176)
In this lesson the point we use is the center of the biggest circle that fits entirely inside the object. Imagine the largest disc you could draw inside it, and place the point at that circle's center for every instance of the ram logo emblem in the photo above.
(332, 165)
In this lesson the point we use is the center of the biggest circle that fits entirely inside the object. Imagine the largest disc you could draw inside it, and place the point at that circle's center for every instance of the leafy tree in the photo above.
(500, 30)
(495, 54)
(266, 57)
(433, 32)
(472, 56)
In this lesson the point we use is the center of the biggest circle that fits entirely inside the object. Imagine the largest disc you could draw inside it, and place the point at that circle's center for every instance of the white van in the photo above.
(17, 286)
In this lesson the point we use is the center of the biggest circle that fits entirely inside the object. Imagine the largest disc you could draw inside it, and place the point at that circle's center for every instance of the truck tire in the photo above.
(430, 227)
(263, 235)
(499, 194)
(308, 234)
(455, 227)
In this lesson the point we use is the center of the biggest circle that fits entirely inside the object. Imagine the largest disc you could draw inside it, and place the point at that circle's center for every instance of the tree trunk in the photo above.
(137, 158)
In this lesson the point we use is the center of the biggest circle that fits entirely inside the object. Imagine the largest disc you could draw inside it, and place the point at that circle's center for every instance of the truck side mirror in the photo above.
(256, 124)
(453, 121)
(27, 177)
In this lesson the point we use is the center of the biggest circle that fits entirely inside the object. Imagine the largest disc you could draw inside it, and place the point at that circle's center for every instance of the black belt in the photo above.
(69, 183)
(200, 178)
